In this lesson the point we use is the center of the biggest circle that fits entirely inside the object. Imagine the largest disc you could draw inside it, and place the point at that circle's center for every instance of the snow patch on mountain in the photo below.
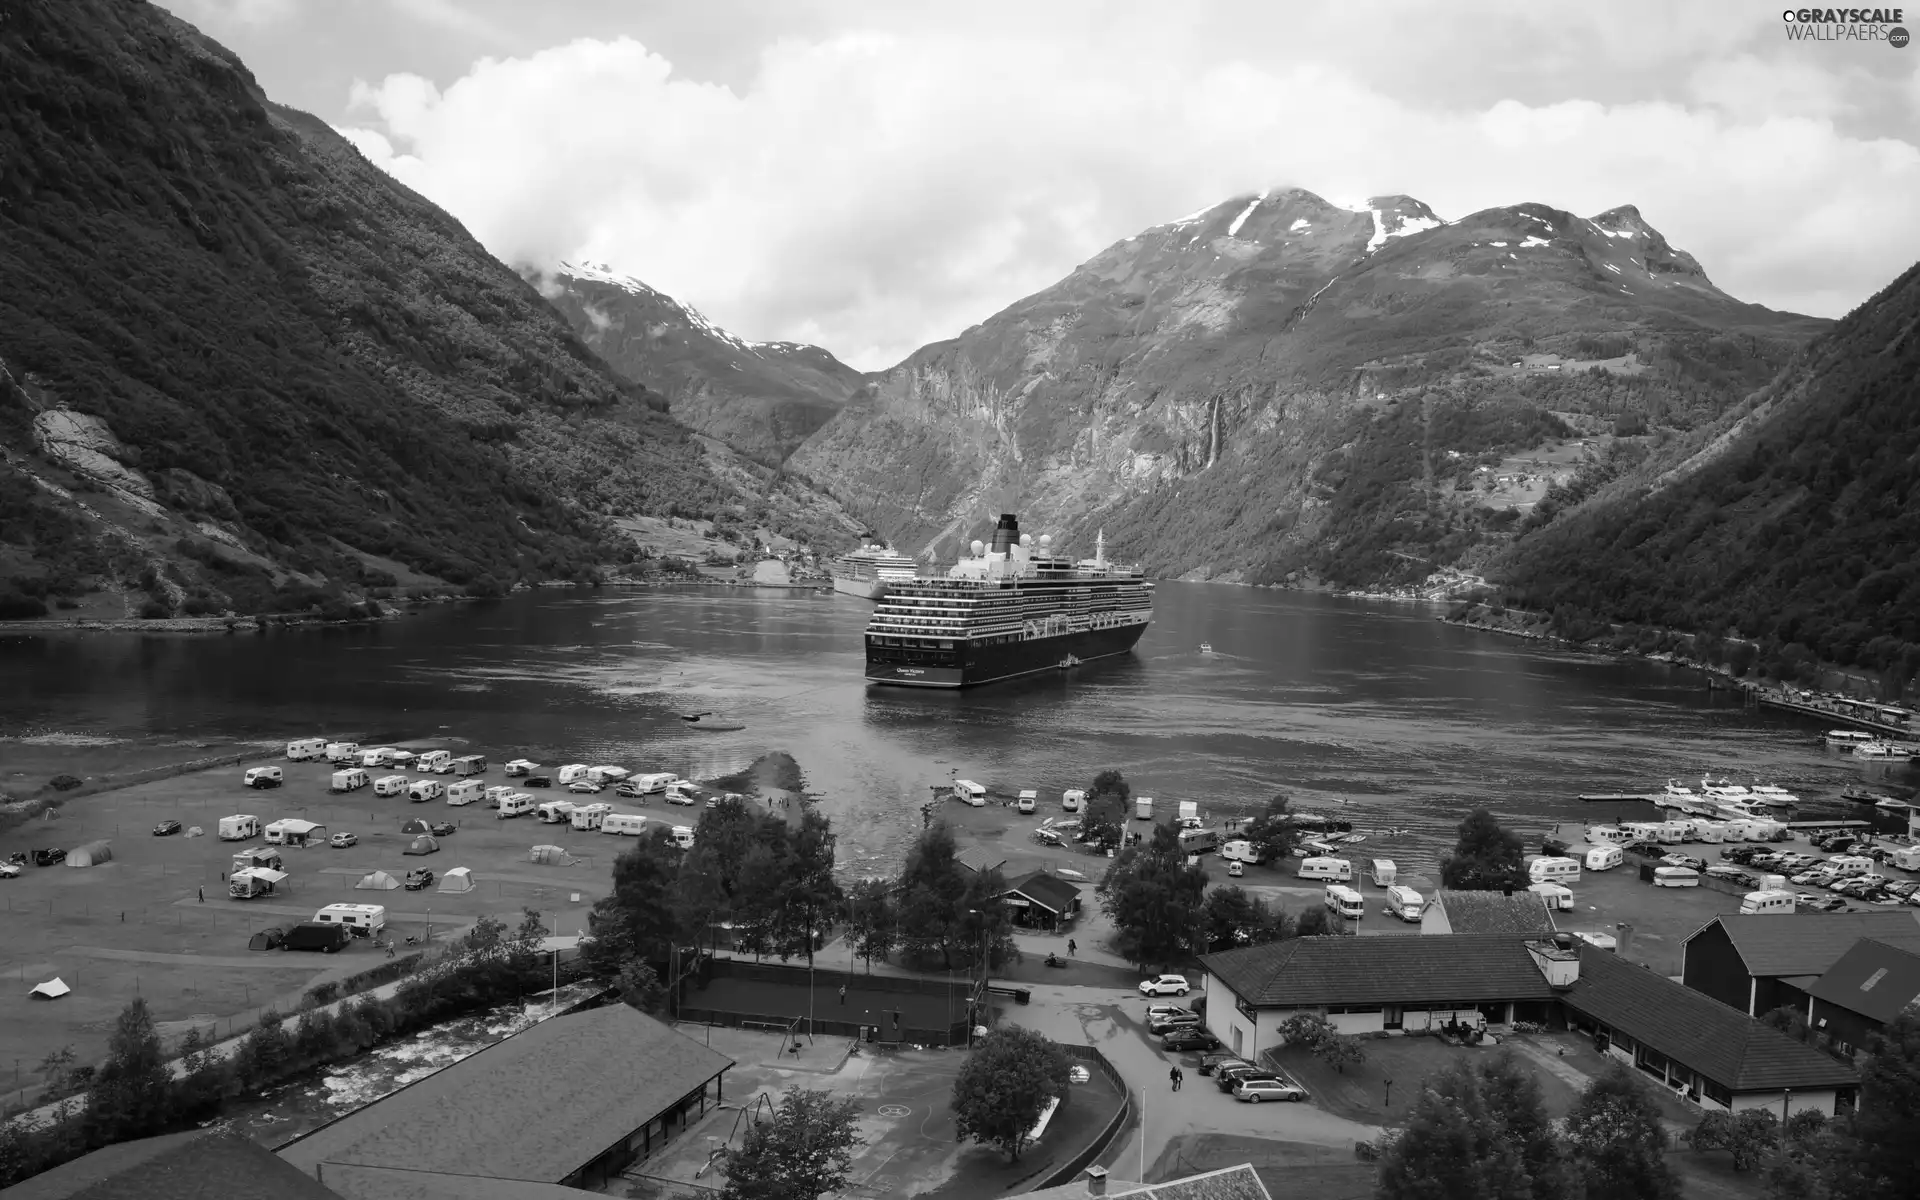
(1534, 241)
(1298, 225)
(602, 273)
(1234, 229)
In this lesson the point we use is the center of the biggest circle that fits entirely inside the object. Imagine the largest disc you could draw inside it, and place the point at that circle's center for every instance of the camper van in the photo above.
(1143, 808)
(307, 750)
(970, 793)
(624, 824)
(1907, 858)
(1553, 870)
(239, 828)
(1199, 841)
(656, 781)
(1672, 833)
(350, 780)
(682, 791)
(520, 766)
(434, 762)
(1384, 872)
(1711, 832)
(1073, 799)
(683, 836)
(1345, 903)
(379, 756)
(310, 935)
(514, 805)
(258, 856)
(390, 785)
(1027, 801)
(1336, 869)
(588, 816)
(1556, 897)
(1241, 850)
(422, 790)
(250, 883)
(1777, 901)
(494, 795)
(469, 765)
(1675, 877)
(1405, 903)
(342, 751)
(462, 792)
(1604, 858)
(364, 920)
(263, 777)
(554, 812)
(571, 772)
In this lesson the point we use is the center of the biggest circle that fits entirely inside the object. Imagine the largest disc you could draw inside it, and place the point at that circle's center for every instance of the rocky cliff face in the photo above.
(761, 398)
(1283, 387)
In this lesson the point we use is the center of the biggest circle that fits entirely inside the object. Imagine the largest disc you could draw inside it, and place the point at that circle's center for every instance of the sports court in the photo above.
(921, 1016)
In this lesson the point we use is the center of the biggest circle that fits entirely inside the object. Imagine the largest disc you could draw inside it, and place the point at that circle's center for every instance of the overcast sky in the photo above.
(872, 175)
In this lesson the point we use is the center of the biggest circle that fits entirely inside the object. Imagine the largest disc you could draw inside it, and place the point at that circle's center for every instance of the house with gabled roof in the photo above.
(1042, 900)
(1863, 990)
(200, 1164)
(1520, 913)
(1758, 963)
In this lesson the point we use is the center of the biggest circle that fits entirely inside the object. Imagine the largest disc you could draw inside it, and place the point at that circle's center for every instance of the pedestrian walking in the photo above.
(1173, 1078)
(843, 993)
(203, 895)
(1071, 948)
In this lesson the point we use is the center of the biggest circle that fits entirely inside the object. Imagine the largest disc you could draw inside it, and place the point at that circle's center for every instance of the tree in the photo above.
(1487, 858)
(1513, 1096)
(1156, 901)
(931, 888)
(872, 923)
(130, 1094)
(1788, 1020)
(1747, 1136)
(1273, 832)
(1233, 918)
(1885, 1154)
(1319, 921)
(812, 893)
(640, 987)
(1317, 1035)
(1453, 1147)
(1004, 1086)
(204, 1075)
(635, 919)
(57, 1068)
(1105, 818)
(983, 923)
(802, 1152)
(1617, 1143)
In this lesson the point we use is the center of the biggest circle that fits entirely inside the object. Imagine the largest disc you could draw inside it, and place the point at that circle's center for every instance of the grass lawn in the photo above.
(1290, 1170)
(1362, 1093)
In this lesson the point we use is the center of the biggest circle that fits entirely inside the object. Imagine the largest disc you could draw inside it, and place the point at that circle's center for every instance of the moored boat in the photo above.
(1847, 739)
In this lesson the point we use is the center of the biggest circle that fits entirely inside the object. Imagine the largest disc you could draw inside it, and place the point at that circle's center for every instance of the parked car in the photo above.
(1162, 1010)
(1253, 1091)
(1822, 903)
(443, 829)
(1684, 860)
(1165, 985)
(9, 869)
(166, 828)
(679, 797)
(1190, 1038)
(1226, 1077)
(1903, 887)
(1733, 874)
(631, 790)
(343, 840)
(1168, 1022)
(1645, 849)
(418, 878)
(586, 787)
(1220, 1058)
(51, 856)
(538, 781)
(1743, 855)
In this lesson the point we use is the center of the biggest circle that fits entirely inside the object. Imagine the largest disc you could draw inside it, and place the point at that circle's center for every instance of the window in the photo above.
(1716, 1093)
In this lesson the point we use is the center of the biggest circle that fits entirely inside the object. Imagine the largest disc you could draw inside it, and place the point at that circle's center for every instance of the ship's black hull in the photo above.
(1009, 660)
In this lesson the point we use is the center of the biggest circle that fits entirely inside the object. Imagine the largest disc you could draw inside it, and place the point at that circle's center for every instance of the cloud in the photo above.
(873, 191)
(215, 13)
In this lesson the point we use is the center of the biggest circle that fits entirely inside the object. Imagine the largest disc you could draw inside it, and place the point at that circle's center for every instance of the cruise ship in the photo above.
(1009, 609)
(868, 571)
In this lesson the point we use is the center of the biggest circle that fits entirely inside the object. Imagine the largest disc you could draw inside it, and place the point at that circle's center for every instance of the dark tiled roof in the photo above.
(1050, 890)
(537, 1106)
(1496, 912)
(1873, 979)
(384, 1183)
(201, 1164)
(1809, 943)
(1308, 971)
(1697, 1031)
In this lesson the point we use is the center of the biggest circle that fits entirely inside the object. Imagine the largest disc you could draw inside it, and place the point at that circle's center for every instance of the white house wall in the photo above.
(1809, 1101)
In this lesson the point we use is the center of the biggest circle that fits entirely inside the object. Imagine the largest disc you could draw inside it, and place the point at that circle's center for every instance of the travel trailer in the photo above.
(390, 785)
(970, 793)
(555, 812)
(520, 766)
(607, 774)
(422, 790)
(350, 780)
(1907, 858)
(1556, 897)
(571, 772)
(1672, 833)
(588, 816)
(434, 762)
(1187, 816)
(239, 828)
(624, 824)
(1553, 870)
(469, 765)
(1384, 872)
(379, 756)
(1604, 858)
(1199, 841)
(1675, 877)
(683, 836)
(258, 856)
(1143, 808)
(494, 795)
(292, 831)
(1777, 901)
(1405, 903)
(1241, 850)
(263, 777)
(1027, 801)
(1710, 832)
(657, 781)
(463, 791)
(513, 806)
(342, 751)
(307, 749)
(1337, 869)
(1608, 835)
(1073, 799)
(254, 882)
(1345, 903)
(364, 920)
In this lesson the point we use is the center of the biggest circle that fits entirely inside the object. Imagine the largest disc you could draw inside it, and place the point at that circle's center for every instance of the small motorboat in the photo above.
(1070, 873)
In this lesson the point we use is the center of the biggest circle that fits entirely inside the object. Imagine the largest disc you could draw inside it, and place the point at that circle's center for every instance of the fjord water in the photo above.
(1379, 712)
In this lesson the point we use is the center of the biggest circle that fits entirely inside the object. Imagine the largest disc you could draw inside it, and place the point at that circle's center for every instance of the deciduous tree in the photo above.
(1105, 818)
(1453, 1147)
(1616, 1142)
(931, 888)
(640, 987)
(1155, 900)
(872, 923)
(130, 1094)
(636, 919)
(1273, 832)
(1746, 1136)
(1004, 1086)
(1488, 857)
(802, 1152)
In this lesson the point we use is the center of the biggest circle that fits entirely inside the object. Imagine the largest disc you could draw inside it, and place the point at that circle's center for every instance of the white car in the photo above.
(1165, 985)
(9, 870)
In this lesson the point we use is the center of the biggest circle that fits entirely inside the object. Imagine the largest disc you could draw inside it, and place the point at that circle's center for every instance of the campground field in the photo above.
(137, 925)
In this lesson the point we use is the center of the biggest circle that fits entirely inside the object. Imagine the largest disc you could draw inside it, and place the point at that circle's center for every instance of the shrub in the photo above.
(154, 610)
(16, 606)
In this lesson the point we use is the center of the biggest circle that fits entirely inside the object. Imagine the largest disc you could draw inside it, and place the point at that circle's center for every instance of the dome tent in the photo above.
(414, 825)
(424, 844)
(552, 855)
(91, 854)
(377, 881)
(460, 879)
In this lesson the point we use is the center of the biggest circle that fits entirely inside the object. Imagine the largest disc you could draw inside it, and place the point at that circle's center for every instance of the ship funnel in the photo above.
(1006, 533)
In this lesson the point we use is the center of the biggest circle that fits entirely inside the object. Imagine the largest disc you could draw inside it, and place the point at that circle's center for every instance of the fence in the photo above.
(1067, 1171)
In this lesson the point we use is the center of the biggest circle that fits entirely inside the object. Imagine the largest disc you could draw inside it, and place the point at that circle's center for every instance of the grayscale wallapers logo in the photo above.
(1846, 25)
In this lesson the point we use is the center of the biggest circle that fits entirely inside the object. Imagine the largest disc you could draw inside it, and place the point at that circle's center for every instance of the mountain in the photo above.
(762, 398)
(1793, 525)
(1279, 388)
(241, 368)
